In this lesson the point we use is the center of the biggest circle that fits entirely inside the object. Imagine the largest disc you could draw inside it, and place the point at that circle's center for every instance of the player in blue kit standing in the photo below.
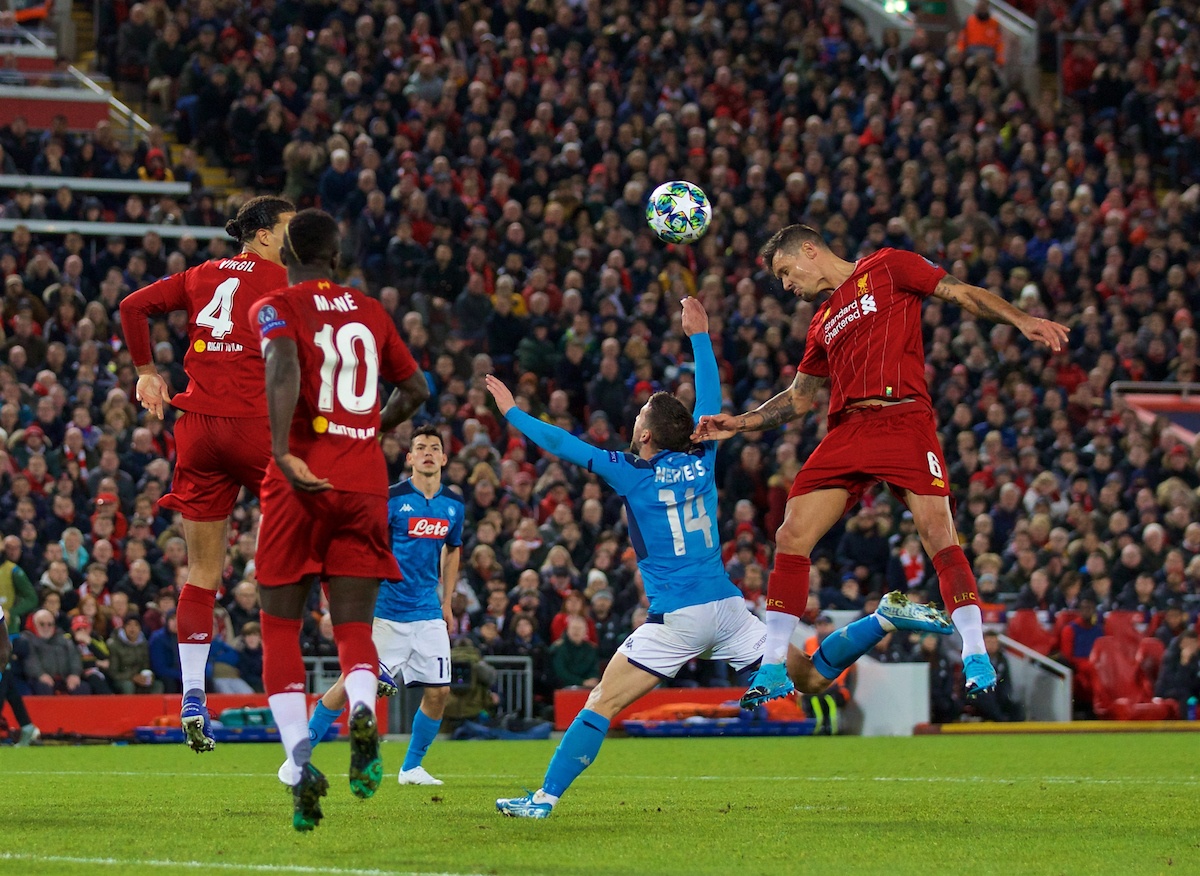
(412, 619)
(670, 493)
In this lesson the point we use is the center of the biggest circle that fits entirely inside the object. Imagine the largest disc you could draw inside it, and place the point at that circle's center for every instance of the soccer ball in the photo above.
(679, 212)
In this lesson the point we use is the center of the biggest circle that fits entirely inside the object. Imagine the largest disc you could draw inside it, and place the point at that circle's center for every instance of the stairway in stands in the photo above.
(216, 178)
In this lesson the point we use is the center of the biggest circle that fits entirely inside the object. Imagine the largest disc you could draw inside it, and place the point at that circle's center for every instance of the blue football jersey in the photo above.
(670, 500)
(419, 528)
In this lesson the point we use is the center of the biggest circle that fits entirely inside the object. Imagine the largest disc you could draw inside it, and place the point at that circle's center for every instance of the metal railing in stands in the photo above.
(321, 673)
(1183, 390)
(126, 123)
(83, 184)
(514, 683)
(104, 229)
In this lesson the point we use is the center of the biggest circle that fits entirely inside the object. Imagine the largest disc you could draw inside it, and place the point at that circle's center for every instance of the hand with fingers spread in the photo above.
(716, 427)
(299, 475)
(1044, 331)
(501, 393)
(152, 392)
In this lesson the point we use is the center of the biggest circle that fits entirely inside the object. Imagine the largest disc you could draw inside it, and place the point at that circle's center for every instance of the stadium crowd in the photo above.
(489, 162)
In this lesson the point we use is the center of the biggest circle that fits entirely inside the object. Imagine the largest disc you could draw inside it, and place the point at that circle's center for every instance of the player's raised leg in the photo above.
(956, 580)
(206, 542)
(352, 607)
(807, 518)
(841, 649)
(622, 684)
(283, 679)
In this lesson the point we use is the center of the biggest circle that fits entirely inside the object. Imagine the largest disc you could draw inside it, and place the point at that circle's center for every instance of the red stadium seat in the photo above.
(1120, 692)
(1024, 627)
(1123, 625)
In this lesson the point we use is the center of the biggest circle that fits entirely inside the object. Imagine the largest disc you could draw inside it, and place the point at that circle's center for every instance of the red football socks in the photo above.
(955, 579)
(194, 615)
(787, 588)
(283, 664)
(356, 649)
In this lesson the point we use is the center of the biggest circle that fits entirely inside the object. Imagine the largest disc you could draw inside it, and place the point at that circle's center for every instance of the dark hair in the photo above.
(789, 239)
(311, 239)
(669, 423)
(429, 430)
(257, 214)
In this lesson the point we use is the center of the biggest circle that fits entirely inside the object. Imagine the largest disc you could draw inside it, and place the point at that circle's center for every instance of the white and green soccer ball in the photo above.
(679, 212)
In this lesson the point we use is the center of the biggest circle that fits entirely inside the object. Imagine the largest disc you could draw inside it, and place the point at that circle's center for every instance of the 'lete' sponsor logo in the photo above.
(427, 527)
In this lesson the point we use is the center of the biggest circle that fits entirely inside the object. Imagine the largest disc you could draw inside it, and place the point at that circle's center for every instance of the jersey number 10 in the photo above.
(339, 371)
(695, 518)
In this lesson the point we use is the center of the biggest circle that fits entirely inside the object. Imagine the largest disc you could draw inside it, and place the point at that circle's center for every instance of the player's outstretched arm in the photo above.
(405, 400)
(557, 441)
(283, 392)
(708, 379)
(792, 403)
(986, 305)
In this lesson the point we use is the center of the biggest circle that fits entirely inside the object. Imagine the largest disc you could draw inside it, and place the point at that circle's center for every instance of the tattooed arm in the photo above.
(792, 403)
(982, 303)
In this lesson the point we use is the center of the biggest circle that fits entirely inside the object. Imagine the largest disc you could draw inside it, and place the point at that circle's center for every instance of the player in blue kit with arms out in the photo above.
(412, 619)
(670, 493)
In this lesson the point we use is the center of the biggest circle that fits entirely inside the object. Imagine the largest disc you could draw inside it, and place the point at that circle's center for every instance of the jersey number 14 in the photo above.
(695, 518)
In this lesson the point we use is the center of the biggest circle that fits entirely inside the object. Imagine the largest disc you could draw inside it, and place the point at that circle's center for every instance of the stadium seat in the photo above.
(1123, 625)
(1024, 627)
(1120, 694)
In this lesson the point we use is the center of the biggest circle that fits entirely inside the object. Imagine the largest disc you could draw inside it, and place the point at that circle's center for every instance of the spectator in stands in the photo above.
(52, 664)
(1171, 622)
(129, 656)
(249, 647)
(1002, 704)
(1078, 639)
(944, 705)
(1179, 672)
(574, 659)
(164, 654)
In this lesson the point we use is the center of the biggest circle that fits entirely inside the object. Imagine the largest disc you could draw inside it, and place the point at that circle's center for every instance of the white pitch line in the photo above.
(211, 865)
(955, 780)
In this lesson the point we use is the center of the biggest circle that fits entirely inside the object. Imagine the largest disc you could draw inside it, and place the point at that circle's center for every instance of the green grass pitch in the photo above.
(1087, 804)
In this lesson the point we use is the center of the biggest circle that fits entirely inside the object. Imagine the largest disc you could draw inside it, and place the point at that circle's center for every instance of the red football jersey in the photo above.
(223, 362)
(866, 338)
(346, 342)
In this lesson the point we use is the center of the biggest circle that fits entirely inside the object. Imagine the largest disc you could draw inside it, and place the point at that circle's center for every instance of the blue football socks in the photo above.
(319, 723)
(578, 749)
(424, 731)
(842, 648)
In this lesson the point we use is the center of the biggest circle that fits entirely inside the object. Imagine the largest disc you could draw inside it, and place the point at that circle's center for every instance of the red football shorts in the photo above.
(329, 534)
(217, 456)
(896, 444)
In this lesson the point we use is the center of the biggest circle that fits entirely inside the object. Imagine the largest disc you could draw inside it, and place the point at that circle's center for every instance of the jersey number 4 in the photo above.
(215, 315)
(339, 371)
(695, 518)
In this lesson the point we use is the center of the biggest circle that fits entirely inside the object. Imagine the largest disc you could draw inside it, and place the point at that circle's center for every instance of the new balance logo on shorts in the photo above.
(427, 527)
(198, 637)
